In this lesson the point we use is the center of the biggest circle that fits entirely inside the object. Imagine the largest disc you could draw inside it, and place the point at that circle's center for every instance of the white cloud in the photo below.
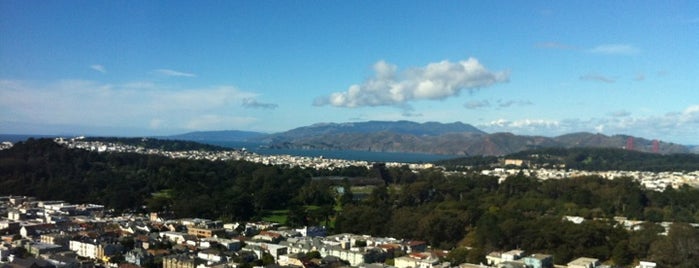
(546, 127)
(99, 68)
(524, 123)
(615, 49)
(436, 81)
(690, 115)
(680, 127)
(168, 72)
(599, 129)
(143, 105)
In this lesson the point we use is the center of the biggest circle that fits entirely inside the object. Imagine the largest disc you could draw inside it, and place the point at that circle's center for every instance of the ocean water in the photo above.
(259, 148)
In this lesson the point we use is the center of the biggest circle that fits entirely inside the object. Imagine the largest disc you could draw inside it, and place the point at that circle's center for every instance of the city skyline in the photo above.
(530, 68)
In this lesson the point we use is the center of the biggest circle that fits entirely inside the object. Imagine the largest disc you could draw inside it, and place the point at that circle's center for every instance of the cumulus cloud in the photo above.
(254, 104)
(98, 68)
(689, 115)
(168, 72)
(597, 78)
(679, 126)
(615, 49)
(436, 81)
(524, 123)
(537, 126)
(143, 105)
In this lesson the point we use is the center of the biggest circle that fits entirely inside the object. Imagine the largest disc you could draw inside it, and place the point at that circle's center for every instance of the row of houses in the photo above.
(140, 241)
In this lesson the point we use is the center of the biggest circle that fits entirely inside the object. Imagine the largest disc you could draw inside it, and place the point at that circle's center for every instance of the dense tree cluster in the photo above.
(470, 213)
(523, 212)
(214, 189)
(592, 159)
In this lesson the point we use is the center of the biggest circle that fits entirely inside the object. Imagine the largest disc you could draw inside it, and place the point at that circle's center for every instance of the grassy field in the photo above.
(276, 216)
(280, 216)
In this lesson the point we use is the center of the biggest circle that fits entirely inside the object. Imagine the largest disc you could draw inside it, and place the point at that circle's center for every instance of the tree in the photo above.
(641, 240)
(117, 259)
(359, 243)
(346, 197)
(680, 248)
(127, 243)
(458, 255)
(313, 255)
(621, 255)
(297, 216)
(267, 259)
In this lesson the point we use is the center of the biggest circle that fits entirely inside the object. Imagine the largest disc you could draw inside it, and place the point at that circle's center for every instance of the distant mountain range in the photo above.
(373, 127)
(457, 139)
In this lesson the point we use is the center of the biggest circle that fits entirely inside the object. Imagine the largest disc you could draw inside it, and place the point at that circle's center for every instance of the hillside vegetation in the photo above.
(456, 139)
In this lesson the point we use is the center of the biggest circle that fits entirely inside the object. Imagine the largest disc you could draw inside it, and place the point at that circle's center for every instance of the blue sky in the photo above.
(134, 68)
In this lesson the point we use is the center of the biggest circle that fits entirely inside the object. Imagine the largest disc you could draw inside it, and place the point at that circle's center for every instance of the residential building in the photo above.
(138, 256)
(267, 236)
(584, 262)
(38, 248)
(417, 260)
(55, 238)
(538, 261)
(312, 231)
(94, 249)
(210, 256)
(181, 261)
(294, 259)
(354, 256)
(84, 248)
(512, 255)
(36, 230)
(646, 264)
(493, 258)
(176, 237)
(511, 264)
(205, 232)
(417, 246)
(30, 263)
